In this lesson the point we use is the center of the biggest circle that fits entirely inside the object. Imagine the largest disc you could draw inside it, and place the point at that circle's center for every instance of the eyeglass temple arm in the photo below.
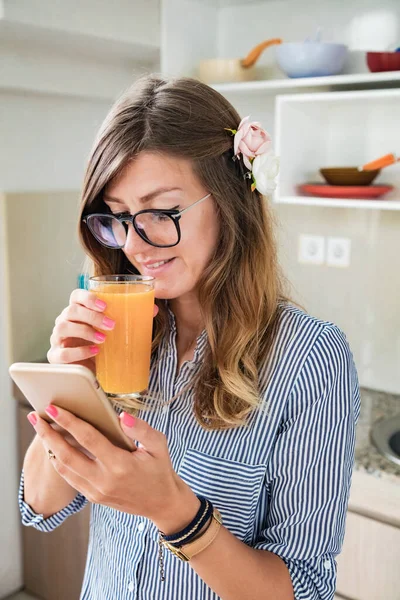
(194, 204)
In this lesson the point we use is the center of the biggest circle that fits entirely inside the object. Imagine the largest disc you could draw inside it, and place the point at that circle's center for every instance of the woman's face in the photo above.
(167, 182)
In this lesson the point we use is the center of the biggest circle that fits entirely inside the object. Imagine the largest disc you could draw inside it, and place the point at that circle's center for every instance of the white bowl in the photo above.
(223, 70)
(311, 59)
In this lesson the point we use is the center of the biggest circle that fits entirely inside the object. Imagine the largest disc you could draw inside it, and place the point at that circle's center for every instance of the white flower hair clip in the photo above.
(255, 145)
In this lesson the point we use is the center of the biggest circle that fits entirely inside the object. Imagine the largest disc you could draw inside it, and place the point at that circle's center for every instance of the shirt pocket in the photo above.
(233, 487)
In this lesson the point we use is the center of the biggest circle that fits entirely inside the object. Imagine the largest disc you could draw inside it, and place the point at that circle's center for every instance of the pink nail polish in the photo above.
(108, 322)
(52, 411)
(128, 420)
(94, 349)
(32, 418)
(100, 336)
(100, 304)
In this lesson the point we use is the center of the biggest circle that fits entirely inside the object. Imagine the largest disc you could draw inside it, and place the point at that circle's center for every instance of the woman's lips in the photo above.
(154, 271)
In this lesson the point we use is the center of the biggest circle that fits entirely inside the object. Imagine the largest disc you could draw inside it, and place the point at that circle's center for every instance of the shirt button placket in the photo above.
(131, 587)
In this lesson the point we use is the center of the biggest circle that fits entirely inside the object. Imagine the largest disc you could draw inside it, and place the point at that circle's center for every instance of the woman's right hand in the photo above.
(75, 338)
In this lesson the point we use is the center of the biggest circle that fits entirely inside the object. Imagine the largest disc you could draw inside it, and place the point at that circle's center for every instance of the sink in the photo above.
(385, 435)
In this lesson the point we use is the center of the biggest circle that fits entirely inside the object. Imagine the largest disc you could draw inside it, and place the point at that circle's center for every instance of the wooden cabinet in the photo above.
(368, 567)
(53, 563)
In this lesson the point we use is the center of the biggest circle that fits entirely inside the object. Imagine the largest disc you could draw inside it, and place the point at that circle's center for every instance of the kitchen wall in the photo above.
(364, 298)
(44, 263)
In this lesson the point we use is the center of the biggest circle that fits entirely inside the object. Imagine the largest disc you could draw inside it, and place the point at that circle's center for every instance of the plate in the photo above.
(364, 192)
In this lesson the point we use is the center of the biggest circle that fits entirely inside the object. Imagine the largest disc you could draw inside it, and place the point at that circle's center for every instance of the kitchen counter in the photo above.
(374, 407)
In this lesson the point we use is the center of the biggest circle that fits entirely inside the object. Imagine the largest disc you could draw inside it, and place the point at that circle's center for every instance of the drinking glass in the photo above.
(123, 361)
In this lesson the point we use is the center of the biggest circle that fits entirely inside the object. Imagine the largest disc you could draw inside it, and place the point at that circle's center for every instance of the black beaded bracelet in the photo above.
(207, 515)
(190, 532)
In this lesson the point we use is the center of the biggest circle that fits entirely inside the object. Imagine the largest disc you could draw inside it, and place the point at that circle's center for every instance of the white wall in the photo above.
(45, 140)
(122, 20)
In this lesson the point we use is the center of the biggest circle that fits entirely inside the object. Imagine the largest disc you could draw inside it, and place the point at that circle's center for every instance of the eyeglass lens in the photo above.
(157, 228)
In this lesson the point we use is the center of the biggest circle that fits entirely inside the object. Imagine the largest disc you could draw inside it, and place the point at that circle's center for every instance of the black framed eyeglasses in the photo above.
(157, 227)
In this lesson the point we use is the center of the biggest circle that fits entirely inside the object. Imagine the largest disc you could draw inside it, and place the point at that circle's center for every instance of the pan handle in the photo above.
(255, 52)
(380, 163)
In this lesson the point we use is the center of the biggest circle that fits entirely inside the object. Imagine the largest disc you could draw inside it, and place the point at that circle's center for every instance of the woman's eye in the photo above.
(161, 217)
(121, 214)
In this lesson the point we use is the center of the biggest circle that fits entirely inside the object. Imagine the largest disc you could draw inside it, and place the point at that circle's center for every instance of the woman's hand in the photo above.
(75, 336)
(71, 440)
(142, 482)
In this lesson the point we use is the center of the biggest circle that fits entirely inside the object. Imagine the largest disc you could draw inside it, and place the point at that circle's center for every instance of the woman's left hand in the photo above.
(142, 482)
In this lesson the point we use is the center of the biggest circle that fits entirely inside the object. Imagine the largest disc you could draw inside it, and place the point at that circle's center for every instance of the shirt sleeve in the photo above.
(309, 474)
(31, 519)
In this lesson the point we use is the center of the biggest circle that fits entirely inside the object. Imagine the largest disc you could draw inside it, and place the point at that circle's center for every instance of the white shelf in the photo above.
(331, 130)
(276, 85)
(69, 43)
(340, 203)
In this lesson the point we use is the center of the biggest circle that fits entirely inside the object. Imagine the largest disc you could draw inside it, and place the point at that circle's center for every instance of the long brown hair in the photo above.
(242, 289)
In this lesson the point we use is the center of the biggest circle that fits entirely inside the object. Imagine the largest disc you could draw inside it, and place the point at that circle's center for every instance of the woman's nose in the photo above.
(134, 243)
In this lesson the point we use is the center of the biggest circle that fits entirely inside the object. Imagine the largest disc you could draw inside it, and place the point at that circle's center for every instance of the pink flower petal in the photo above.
(247, 162)
(264, 148)
(245, 150)
(236, 141)
(254, 140)
(244, 120)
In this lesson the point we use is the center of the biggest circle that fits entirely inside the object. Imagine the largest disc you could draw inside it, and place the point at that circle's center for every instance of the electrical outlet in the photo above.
(338, 252)
(311, 249)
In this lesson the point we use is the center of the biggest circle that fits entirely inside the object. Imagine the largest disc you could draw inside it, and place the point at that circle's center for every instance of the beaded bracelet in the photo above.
(190, 532)
(193, 533)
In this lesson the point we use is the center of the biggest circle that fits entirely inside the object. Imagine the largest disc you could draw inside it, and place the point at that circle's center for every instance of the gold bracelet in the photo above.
(188, 551)
(193, 528)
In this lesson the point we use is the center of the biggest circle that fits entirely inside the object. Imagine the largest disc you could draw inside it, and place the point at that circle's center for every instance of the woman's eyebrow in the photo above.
(146, 197)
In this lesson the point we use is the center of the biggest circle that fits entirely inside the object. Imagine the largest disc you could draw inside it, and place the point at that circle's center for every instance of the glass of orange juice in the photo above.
(123, 361)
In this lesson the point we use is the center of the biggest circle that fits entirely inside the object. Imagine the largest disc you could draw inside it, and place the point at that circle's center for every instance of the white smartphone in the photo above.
(73, 388)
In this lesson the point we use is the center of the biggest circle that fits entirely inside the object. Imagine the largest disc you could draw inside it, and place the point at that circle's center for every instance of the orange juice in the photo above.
(123, 361)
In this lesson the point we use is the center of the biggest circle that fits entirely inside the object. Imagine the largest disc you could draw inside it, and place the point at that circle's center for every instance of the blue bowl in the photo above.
(311, 59)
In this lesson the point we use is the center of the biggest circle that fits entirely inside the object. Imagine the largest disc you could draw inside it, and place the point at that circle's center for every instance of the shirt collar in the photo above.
(201, 339)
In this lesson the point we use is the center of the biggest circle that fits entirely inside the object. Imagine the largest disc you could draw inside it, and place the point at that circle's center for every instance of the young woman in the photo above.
(258, 401)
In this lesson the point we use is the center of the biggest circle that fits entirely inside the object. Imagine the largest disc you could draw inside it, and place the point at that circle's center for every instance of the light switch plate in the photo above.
(338, 252)
(311, 249)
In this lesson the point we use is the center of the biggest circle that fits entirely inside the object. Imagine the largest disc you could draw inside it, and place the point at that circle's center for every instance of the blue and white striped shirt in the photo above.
(281, 483)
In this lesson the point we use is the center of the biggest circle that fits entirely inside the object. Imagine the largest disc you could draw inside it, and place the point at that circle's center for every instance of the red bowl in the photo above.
(383, 61)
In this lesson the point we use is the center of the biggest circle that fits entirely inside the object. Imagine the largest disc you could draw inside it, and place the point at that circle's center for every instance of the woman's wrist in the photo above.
(181, 510)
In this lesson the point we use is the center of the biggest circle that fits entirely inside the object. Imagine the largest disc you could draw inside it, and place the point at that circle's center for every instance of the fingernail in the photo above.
(128, 420)
(100, 336)
(100, 304)
(94, 349)
(51, 411)
(32, 418)
(108, 322)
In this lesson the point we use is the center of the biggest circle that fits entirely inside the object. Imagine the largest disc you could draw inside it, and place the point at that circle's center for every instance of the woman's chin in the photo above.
(165, 294)
(162, 292)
